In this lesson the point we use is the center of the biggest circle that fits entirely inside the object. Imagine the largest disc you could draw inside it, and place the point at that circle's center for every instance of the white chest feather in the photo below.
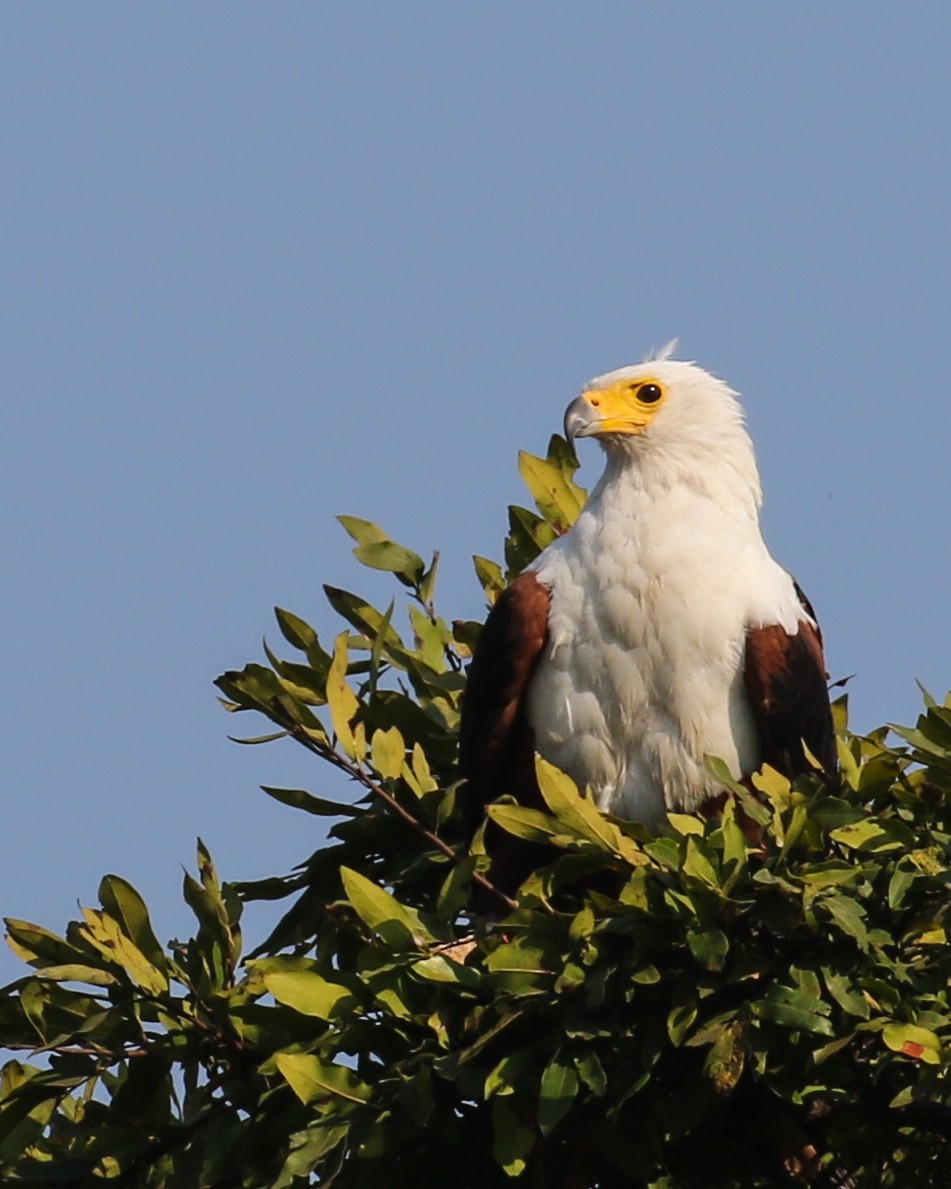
(652, 593)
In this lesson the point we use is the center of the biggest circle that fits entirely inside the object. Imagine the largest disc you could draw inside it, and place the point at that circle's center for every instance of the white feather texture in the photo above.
(652, 593)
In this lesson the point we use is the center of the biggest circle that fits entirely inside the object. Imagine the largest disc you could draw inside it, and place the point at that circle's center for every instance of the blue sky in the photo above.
(262, 264)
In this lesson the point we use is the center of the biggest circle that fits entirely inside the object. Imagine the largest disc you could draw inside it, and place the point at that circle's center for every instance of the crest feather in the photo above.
(665, 352)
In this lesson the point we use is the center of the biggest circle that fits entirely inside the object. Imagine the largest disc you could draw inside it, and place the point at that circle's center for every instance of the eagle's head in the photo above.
(662, 404)
(668, 422)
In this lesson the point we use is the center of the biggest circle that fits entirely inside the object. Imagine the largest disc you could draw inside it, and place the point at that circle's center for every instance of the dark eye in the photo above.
(649, 393)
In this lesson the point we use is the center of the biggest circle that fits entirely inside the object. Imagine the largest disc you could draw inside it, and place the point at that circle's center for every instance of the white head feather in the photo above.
(698, 435)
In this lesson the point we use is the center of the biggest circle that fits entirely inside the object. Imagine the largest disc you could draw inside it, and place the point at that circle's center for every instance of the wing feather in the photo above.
(785, 677)
(496, 742)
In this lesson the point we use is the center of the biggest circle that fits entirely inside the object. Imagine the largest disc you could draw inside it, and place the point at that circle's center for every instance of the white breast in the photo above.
(652, 594)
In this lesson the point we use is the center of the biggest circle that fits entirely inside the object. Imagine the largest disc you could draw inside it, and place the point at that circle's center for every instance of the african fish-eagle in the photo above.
(659, 630)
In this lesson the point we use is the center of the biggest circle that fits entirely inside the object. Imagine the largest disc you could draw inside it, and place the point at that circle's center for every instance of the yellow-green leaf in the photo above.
(490, 577)
(685, 823)
(558, 499)
(773, 784)
(76, 973)
(421, 770)
(109, 940)
(918, 1043)
(388, 750)
(341, 698)
(38, 946)
(855, 834)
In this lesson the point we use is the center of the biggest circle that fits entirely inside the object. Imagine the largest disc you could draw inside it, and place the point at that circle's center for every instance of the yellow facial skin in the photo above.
(627, 407)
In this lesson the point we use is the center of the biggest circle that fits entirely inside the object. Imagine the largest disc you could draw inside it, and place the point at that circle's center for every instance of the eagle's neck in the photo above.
(714, 477)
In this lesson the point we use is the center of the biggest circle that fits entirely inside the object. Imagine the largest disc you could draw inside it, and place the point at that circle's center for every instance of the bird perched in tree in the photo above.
(659, 630)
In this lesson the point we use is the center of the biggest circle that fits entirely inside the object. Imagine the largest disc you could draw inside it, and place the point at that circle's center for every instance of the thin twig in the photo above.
(111, 1056)
(355, 772)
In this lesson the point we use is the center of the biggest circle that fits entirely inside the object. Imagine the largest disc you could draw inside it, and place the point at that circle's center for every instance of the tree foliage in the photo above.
(713, 1006)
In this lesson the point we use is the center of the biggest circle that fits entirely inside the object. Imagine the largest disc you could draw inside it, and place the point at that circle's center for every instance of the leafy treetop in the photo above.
(690, 1009)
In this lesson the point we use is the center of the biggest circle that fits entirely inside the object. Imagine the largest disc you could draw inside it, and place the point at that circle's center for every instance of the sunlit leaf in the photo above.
(308, 992)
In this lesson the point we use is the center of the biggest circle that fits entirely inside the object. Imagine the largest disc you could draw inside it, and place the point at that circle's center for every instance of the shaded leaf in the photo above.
(313, 1080)
(559, 1087)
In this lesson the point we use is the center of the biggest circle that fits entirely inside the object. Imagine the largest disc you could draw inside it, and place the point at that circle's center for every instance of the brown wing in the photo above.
(496, 743)
(785, 677)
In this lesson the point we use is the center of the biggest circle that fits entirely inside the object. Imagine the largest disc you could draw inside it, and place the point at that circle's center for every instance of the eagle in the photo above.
(658, 631)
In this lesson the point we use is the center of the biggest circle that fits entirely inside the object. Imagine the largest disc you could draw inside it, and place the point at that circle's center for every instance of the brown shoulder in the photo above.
(496, 742)
(785, 677)
(494, 735)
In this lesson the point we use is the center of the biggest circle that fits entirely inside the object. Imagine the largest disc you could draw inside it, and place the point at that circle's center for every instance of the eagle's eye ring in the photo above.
(649, 394)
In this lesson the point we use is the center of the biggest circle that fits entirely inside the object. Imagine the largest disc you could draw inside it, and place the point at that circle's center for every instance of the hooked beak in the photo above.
(580, 419)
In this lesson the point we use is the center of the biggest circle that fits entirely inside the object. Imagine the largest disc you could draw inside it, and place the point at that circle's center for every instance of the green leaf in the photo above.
(559, 1088)
(408, 566)
(508, 1074)
(528, 536)
(851, 1000)
(699, 863)
(432, 637)
(124, 904)
(898, 885)
(318, 806)
(307, 1149)
(256, 687)
(848, 915)
(367, 620)
(417, 1097)
(682, 1014)
(375, 549)
(77, 973)
(303, 637)
(427, 584)
(581, 815)
(393, 922)
(364, 532)
(591, 1072)
(440, 969)
(727, 1057)
(512, 1140)
(531, 824)
(525, 965)
(794, 1009)
(709, 946)
(309, 993)
(40, 947)
(314, 1080)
